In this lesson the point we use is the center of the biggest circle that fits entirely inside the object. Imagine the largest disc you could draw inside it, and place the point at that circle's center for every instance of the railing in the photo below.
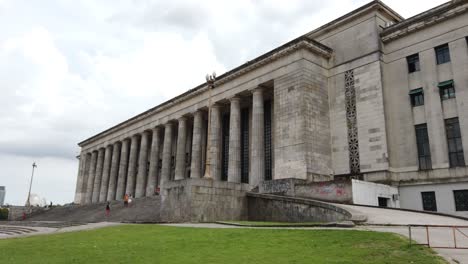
(453, 231)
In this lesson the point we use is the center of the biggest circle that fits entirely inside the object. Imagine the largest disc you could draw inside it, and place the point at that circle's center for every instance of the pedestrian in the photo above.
(126, 200)
(107, 209)
(130, 200)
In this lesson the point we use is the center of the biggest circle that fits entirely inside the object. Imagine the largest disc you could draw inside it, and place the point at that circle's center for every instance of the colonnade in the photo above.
(140, 164)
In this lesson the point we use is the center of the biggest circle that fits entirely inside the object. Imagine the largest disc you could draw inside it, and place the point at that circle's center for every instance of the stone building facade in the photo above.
(370, 95)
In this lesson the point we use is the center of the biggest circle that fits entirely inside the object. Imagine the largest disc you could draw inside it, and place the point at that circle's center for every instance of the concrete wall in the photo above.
(367, 193)
(200, 200)
(289, 209)
(410, 196)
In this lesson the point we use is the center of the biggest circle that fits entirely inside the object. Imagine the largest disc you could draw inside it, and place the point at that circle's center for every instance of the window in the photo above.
(429, 201)
(454, 142)
(424, 151)
(442, 54)
(461, 200)
(446, 90)
(413, 63)
(417, 97)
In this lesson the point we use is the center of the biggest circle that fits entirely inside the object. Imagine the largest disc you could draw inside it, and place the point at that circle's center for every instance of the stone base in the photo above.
(203, 200)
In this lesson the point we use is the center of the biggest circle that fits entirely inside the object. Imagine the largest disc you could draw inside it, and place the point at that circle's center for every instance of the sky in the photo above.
(70, 69)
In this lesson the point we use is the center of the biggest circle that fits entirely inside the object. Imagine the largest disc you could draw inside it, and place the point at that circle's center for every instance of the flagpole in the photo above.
(30, 184)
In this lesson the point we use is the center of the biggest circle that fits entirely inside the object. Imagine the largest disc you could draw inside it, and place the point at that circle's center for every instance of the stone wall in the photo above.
(263, 207)
(331, 191)
(16, 212)
(201, 200)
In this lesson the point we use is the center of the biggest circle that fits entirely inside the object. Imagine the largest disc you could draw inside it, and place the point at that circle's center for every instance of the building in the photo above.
(2, 195)
(370, 96)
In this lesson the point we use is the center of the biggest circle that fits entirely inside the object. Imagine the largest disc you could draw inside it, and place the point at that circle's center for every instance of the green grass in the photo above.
(161, 244)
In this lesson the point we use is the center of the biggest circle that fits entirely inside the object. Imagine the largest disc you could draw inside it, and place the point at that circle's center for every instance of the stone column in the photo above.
(113, 172)
(214, 136)
(98, 176)
(92, 175)
(86, 171)
(167, 153)
(258, 141)
(195, 165)
(105, 174)
(79, 181)
(123, 168)
(154, 162)
(142, 167)
(234, 164)
(132, 166)
(180, 154)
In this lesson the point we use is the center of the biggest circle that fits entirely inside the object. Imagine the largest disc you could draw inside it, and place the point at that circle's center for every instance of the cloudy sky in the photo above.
(70, 69)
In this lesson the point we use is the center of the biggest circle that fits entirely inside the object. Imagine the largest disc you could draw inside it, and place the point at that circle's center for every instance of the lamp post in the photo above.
(210, 80)
(30, 184)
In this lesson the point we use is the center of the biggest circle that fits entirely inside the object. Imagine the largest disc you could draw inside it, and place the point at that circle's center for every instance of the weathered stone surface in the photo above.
(142, 166)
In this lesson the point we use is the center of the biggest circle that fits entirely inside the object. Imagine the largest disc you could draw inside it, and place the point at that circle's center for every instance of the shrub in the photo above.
(3, 213)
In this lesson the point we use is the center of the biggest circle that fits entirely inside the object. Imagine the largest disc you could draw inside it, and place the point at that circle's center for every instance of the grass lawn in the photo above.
(161, 244)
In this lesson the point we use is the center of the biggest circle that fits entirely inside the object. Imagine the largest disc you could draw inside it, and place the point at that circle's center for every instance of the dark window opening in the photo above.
(225, 148)
(267, 136)
(383, 202)
(424, 151)
(461, 200)
(454, 142)
(245, 146)
(413, 63)
(417, 97)
(442, 54)
(429, 201)
(446, 90)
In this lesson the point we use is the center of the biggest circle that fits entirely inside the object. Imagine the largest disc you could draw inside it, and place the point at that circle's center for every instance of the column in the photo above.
(86, 171)
(123, 168)
(79, 181)
(132, 166)
(234, 174)
(180, 154)
(154, 162)
(92, 174)
(105, 174)
(113, 172)
(195, 165)
(214, 149)
(167, 153)
(98, 176)
(258, 144)
(142, 166)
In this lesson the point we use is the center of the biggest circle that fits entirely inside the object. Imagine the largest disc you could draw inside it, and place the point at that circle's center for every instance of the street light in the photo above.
(210, 80)
(30, 184)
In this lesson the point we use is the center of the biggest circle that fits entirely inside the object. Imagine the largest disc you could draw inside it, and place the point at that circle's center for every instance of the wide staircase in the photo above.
(141, 210)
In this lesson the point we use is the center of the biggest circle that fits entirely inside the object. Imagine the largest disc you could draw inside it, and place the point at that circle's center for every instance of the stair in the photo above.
(140, 210)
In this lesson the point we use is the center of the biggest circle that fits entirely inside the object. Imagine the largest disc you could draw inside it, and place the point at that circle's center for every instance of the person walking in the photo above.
(126, 200)
(107, 209)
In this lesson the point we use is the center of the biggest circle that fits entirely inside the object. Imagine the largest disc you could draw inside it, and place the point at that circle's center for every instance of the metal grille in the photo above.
(267, 136)
(351, 120)
(225, 149)
(245, 145)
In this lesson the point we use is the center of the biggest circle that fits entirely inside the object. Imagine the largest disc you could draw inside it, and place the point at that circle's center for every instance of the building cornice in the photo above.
(424, 20)
(302, 42)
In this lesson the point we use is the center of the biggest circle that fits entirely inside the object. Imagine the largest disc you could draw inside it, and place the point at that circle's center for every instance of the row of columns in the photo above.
(111, 172)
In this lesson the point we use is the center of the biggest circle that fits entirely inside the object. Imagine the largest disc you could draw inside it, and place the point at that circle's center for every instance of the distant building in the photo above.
(2, 195)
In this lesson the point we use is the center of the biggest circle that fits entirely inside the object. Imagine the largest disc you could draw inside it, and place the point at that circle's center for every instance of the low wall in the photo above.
(330, 191)
(267, 207)
(203, 200)
(16, 212)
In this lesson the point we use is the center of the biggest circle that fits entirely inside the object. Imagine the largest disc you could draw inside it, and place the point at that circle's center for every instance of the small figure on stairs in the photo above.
(107, 209)
(126, 200)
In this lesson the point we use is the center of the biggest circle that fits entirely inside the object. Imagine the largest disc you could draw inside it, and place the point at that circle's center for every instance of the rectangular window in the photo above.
(429, 201)
(446, 90)
(417, 97)
(442, 54)
(413, 63)
(424, 151)
(461, 200)
(454, 142)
